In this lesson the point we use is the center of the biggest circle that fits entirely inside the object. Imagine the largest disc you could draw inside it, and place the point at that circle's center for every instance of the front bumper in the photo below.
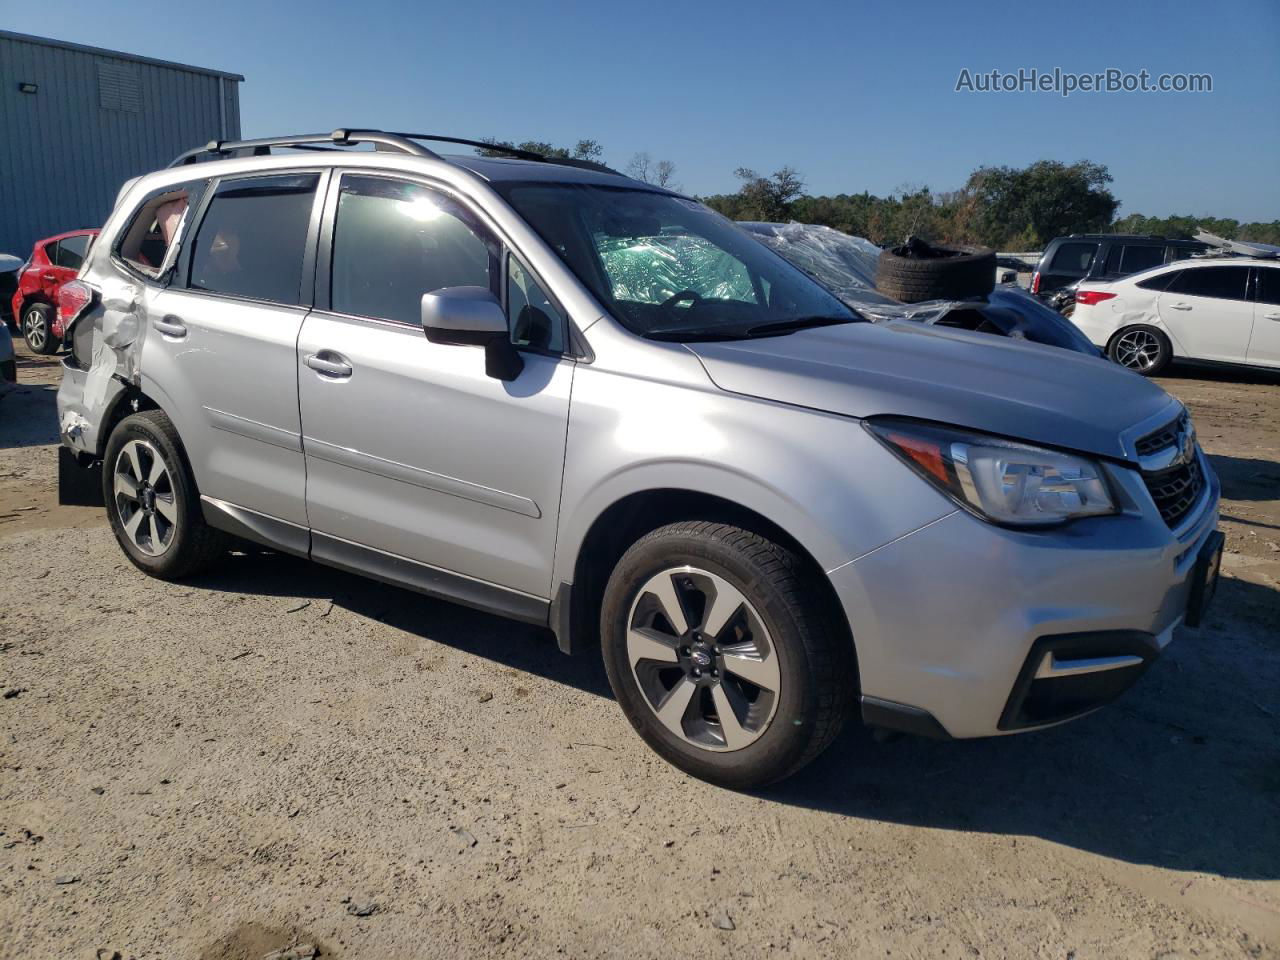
(946, 620)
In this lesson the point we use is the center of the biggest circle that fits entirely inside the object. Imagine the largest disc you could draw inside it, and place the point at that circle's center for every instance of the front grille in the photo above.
(1166, 436)
(1176, 490)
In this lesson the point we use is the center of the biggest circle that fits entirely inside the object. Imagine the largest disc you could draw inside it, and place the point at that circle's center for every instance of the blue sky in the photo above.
(856, 97)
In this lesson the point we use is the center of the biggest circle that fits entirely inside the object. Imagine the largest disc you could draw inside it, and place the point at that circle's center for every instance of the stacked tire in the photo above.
(918, 271)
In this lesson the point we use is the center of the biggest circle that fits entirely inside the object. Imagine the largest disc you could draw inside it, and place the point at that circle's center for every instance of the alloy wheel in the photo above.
(35, 330)
(144, 497)
(1138, 350)
(703, 659)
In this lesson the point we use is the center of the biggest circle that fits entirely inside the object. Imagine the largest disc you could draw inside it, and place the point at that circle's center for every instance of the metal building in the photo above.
(76, 122)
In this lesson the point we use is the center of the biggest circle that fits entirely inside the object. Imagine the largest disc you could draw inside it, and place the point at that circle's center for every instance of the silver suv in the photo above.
(542, 389)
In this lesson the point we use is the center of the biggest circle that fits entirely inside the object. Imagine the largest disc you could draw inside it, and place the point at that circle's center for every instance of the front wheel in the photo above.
(152, 501)
(1143, 349)
(37, 328)
(722, 653)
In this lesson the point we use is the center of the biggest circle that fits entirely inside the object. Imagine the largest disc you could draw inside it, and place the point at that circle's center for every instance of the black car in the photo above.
(1102, 256)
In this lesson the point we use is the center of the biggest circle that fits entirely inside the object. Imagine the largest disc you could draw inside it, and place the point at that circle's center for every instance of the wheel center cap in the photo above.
(148, 499)
(701, 659)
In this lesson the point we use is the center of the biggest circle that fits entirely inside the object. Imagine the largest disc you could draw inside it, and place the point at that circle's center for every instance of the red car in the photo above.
(53, 262)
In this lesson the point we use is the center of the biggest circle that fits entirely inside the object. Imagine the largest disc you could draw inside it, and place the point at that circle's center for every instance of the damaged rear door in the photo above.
(221, 340)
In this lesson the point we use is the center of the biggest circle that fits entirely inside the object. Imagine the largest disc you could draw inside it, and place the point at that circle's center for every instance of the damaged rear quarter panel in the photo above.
(86, 397)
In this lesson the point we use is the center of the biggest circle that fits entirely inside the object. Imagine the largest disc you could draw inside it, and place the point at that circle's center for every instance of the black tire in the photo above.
(37, 329)
(193, 545)
(817, 674)
(917, 271)
(1155, 354)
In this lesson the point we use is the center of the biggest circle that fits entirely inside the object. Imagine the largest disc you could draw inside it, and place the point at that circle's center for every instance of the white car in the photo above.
(1221, 309)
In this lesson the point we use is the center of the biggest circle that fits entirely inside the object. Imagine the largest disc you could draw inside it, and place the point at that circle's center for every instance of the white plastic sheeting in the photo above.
(845, 265)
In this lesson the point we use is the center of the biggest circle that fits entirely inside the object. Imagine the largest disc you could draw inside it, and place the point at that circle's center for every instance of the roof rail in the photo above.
(516, 152)
(342, 137)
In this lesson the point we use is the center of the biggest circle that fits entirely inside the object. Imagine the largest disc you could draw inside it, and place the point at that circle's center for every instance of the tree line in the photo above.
(1008, 208)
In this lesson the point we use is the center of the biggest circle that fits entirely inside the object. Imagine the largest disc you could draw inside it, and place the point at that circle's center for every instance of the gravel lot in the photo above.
(278, 753)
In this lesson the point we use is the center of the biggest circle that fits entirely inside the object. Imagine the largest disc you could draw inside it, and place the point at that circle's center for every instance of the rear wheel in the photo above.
(37, 328)
(722, 654)
(152, 501)
(1144, 349)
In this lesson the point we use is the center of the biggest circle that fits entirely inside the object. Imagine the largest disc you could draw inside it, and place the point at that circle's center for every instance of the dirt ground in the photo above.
(277, 753)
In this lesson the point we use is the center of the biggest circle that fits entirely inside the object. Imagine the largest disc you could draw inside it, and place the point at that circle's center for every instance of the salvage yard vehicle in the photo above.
(545, 390)
(10, 267)
(53, 262)
(850, 266)
(1067, 261)
(8, 360)
(1212, 309)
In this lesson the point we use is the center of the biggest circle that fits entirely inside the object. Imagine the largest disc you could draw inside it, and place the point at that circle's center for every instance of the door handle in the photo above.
(171, 326)
(1179, 306)
(332, 365)
(1272, 316)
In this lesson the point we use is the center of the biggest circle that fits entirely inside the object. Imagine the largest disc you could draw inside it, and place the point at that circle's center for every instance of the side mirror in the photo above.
(472, 315)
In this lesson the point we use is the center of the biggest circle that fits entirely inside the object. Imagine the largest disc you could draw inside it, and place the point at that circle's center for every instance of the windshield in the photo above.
(670, 268)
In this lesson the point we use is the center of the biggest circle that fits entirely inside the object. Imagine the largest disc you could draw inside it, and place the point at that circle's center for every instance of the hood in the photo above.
(996, 385)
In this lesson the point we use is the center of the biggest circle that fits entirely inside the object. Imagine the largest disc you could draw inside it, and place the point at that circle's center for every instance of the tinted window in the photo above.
(1180, 253)
(534, 320)
(1073, 258)
(1141, 258)
(395, 241)
(251, 242)
(1160, 281)
(1112, 266)
(1225, 283)
(72, 250)
(1269, 284)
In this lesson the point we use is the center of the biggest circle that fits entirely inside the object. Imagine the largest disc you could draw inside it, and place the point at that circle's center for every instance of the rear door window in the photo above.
(1222, 283)
(1140, 258)
(72, 251)
(1073, 258)
(1269, 284)
(252, 241)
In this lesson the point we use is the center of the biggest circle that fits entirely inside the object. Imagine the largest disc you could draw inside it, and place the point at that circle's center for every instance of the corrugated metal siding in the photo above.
(95, 122)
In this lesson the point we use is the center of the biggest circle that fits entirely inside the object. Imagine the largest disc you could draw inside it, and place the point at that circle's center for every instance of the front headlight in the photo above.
(1001, 481)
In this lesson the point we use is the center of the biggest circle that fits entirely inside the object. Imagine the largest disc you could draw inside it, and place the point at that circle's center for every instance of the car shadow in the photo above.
(1247, 478)
(513, 644)
(1187, 370)
(29, 414)
(1181, 773)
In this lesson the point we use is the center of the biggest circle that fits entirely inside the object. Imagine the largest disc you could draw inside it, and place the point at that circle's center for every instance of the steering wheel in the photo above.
(668, 305)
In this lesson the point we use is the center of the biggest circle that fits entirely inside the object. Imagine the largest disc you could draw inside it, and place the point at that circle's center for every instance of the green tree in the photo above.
(582, 150)
(1044, 200)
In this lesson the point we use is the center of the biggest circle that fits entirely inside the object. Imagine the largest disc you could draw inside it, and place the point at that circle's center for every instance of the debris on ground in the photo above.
(723, 921)
(303, 951)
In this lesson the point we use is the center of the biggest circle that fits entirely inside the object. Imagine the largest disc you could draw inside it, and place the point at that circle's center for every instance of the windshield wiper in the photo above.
(797, 323)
